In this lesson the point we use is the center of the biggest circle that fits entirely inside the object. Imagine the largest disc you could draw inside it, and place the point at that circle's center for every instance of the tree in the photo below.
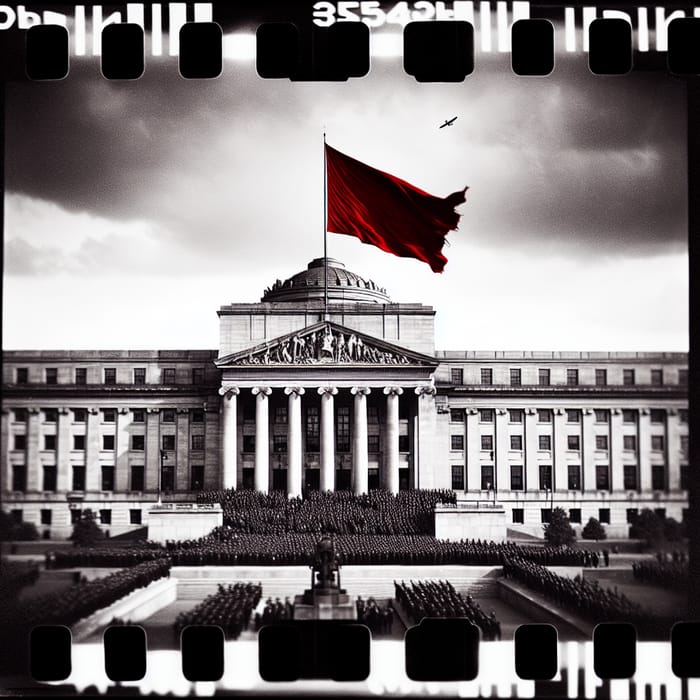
(647, 526)
(86, 531)
(559, 531)
(10, 530)
(593, 530)
(673, 530)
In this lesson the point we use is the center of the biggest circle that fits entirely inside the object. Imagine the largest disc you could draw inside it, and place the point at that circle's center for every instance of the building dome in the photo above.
(343, 285)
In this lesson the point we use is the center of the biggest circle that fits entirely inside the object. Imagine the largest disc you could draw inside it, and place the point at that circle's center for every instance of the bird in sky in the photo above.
(448, 122)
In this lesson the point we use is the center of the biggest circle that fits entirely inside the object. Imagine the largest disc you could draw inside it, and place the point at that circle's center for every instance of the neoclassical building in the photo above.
(356, 397)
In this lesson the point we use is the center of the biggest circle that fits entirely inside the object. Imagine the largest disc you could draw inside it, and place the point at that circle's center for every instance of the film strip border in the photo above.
(433, 51)
(438, 649)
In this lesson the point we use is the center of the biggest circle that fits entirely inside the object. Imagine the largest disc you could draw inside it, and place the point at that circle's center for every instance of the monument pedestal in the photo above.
(325, 607)
(470, 521)
(183, 521)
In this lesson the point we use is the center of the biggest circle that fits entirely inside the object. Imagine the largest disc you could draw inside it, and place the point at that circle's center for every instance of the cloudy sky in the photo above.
(133, 210)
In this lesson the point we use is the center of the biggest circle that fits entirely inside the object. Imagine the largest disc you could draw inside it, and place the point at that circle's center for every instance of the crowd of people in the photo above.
(669, 574)
(229, 608)
(441, 599)
(330, 512)
(274, 612)
(379, 618)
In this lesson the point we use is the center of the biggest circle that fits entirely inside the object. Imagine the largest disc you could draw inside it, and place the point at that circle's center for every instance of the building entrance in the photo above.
(312, 479)
(279, 479)
(343, 480)
(248, 478)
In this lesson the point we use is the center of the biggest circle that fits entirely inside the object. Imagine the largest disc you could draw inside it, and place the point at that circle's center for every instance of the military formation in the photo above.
(229, 608)
(669, 574)
(440, 599)
(274, 612)
(379, 618)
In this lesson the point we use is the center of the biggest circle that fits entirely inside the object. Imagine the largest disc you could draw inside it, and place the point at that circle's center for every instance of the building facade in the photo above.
(351, 394)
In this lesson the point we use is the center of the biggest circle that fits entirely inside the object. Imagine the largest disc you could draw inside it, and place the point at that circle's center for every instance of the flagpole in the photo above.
(325, 231)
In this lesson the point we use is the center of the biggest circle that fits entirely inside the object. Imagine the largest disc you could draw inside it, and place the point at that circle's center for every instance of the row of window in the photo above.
(108, 415)
(573, 415)
(544, 377)
(168, 375)
(105, 516)
(573, 442)
(518, 515)
(630, 479)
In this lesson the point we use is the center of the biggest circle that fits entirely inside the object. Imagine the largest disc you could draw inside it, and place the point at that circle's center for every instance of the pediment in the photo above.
(326, 343)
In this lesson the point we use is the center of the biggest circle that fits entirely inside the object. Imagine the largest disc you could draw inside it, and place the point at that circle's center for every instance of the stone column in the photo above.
(616, 453)
(63, 449)
(152, 462)
(532, 446)
(229, 442)
(644, 450)
(121, 462)
(473, 451)
(360, 456)
(391, 457)
(327, 438)
(32, 467)
(182, 447)
(424, 478)
(673, 450)
(560, 476)
(93, 466)
(262, 438)
(5, 446)
(588, 451)
(501, 467)
(294, 451)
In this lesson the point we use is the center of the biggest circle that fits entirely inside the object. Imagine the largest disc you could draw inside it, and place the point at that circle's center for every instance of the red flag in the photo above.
(387, 212)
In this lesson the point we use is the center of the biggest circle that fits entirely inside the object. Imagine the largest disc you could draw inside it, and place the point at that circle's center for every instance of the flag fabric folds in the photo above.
(387, 212)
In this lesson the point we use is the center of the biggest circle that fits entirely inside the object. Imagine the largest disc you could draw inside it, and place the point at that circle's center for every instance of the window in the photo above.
(403, 443)
(601, 377)
(574, 515)
(169, 375)
(75, 515)
(20, 442)
(486, 376)
(544, 377)
(198, 375)
(515, 377)
(373, 443)
(683, 377)
(457, 442)
(601, 442)
(81, 375)
(657, 442)
(167, 477)
(168, 442)
(516, 477)
(516, 442)
(140, 375)
(574, 477)
(487, 442)
(106, 516)
(109, 415)
(518, 515)
(342, 429)
(457, 477)
(544, 415)
(281, 415)
(457, 375)
(49, 442)
(198, 442)
(628, 377)
(629, 442)
(604, 516)
(19, 477)
(167, 415)
(657, 377)
(602, 477)
(134, 516)
(249, 443)
(683, 415)
(573, 442)
(632, 514)
(573, 416)
(79, 415)
(572, 377)
(658, 477)
(456, 415)
(545, 476)
(107, 477)
(19, 415)
(279, 443)
(197, 415)
(46, 514)
(78, 478)
(684, 444)
(657, 415)
(629, 416)
(138, 442)
(684, 477)
(138, 415)
(545, 515)
(197, 477)
(49, 477)
(110, 375)
(629, 477)
(373, 414)
(545, 442)
(515, 415)
(486, 415)
(313, 434)
(137, 477)
(22, 375)
(78, 442)
(108, 442)
(50, 415)
(51, 375)
(602, 415)
(487, 477)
